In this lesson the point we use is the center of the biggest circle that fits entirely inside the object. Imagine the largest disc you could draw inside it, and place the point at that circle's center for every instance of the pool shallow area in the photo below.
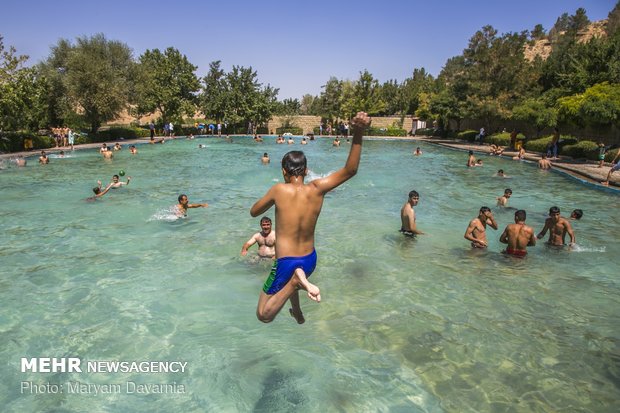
(405, 325)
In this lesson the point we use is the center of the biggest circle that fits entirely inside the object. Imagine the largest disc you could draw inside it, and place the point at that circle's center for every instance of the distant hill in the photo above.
(544, 47)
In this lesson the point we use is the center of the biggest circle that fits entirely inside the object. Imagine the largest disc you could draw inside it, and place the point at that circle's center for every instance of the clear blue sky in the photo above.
(293, 45)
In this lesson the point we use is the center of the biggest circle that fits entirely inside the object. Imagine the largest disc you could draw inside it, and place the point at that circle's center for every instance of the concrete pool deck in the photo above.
(586, 171)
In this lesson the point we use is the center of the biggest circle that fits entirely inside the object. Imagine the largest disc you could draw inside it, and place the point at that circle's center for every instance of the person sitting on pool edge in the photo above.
(298, 206)
(518, 236)
(407, 216)
(181, 208)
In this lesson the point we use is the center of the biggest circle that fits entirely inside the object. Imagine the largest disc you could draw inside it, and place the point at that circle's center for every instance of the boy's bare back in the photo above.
(298, 204)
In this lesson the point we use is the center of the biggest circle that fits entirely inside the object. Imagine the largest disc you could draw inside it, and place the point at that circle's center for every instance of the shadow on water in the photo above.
(279, 393)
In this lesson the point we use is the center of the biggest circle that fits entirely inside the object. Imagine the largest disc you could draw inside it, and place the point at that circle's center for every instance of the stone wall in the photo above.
(308, 123)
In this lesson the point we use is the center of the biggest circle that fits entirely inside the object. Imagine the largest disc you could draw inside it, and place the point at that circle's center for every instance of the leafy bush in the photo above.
(503, 138)
(14, 141)
(119, 132)
(467, 135)
(611, 154)
(291, 129)
(583, 149)
(538, 145)
(389, 131)
(425, 132)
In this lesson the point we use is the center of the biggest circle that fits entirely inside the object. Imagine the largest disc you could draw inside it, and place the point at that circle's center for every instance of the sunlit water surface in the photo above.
(406, 325)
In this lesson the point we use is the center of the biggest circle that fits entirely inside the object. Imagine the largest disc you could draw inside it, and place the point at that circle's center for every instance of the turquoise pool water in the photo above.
(424, 325)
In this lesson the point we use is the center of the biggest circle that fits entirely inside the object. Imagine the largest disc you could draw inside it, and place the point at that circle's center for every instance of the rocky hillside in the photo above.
(544, 47)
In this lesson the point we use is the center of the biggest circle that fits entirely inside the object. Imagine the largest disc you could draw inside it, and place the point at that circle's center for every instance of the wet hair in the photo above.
(96, 190)
(508, 191)
(485, 209)
(501, 171)
(265, 219)
(294, 163)
(544, 156)
(116, 176)
(520, 215)
(265, 154)
(471, 152)
(577, 213)
(554, 210)
(413, 194)
(181, 197)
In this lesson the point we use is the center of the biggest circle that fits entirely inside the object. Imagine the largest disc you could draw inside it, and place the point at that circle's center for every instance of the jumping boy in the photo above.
(298, 206)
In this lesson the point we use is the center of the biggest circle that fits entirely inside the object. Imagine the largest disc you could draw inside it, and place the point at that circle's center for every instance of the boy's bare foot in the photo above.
(299, 317)
(313, 291)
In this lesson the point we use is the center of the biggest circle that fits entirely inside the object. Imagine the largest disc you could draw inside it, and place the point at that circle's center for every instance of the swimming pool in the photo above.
(421, 324)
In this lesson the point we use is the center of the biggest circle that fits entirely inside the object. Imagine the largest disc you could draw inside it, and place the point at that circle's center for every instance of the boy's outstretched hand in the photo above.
(360, 122)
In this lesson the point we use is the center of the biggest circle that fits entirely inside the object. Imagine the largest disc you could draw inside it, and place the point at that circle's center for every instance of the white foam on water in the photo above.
(579, 248)
(169, 215)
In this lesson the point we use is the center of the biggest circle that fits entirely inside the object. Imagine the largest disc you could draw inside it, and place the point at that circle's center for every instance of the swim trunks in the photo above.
(516, 253)
(284, 268)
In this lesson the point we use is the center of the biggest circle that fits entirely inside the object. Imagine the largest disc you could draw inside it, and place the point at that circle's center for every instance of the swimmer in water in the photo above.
(518, 236)
(558, 227)
(503, 200)
(417, 152)
(181, 208)
(476, 231)
(407, 216)
(266, 240)
(265, 159)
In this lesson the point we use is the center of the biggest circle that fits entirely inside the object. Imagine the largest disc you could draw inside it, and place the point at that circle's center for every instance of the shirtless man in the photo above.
(418, 151)
(133, 150)
(518, 236)
(471, 160)
(543, 162)
(558, 228)
(117, 147)
(181, 208)
(336, 142)
(290, 140)
(117, 183)
(104, 148)
(107, 154)
(266, 240)
(503, 200)
(43, 159)
(407, 216)
(298, 206)
(265, 159)
(476, 231)
(304, 141)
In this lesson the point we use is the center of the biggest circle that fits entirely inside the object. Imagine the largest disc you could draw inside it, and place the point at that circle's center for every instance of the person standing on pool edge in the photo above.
(298, 206)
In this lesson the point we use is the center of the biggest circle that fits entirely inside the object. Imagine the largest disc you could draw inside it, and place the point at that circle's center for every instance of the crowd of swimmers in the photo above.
(298, 204)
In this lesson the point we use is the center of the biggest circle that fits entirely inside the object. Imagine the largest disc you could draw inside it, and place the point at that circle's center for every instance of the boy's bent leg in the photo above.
(313, 291)
(270, 305)
(295, 309)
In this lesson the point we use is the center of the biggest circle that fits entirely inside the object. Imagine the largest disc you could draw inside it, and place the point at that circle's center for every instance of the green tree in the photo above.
(599, 106)
(538, 32)
(308, 105)
(94, 75)
(536, 111)
(213, 102)
(166, 83)
(22, 92)
(330, 99)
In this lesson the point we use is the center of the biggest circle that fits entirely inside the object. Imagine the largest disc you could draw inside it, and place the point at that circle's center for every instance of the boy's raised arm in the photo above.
(263, 204)
(360, 122)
